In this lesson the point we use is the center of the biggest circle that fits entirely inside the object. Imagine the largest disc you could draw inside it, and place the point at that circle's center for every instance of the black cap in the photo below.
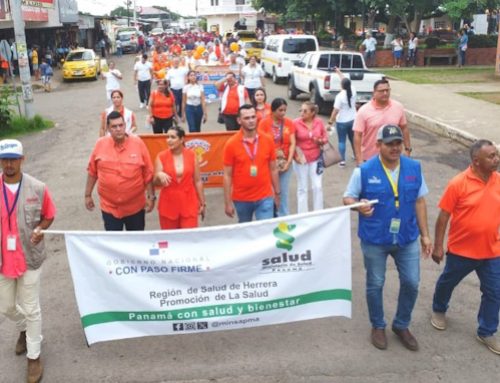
(389, 133)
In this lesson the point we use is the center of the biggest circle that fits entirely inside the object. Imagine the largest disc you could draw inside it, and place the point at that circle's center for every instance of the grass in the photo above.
(20, 125)
(443, 75)
(493, 97)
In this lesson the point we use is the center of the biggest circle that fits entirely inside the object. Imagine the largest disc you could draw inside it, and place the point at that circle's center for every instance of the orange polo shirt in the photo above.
(122, 173)
(475, 215)
(245, 186)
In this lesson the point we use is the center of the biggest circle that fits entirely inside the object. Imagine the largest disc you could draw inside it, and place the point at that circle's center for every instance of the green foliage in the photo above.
(482, 41)
(22, 125)
(7, 102)
(458, 9)
(122, 12)
(431, 42)
(203, 24)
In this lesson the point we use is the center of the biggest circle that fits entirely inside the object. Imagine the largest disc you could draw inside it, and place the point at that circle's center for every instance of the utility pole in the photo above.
(135, 16)
(22, 57)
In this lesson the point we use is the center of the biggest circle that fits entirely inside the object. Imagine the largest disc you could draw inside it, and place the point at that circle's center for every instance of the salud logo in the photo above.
(285, 239)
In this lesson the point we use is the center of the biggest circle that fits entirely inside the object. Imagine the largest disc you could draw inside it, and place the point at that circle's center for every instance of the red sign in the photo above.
(34, 14)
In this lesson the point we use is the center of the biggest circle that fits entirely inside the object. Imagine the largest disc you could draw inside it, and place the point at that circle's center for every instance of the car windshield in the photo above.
(79, 56)
(125, 36)
(254, 44)
(299, 45)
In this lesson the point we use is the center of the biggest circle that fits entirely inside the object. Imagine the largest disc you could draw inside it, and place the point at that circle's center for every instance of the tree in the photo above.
(121, 12)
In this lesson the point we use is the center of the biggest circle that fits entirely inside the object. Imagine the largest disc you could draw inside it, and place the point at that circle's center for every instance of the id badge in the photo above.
(11, 242)
(395, 225)
(253, 171)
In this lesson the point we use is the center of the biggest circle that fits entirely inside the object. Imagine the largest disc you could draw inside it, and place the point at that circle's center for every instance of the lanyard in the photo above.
(247, 149)
(6, 200)
(278, 137)
(394, 185)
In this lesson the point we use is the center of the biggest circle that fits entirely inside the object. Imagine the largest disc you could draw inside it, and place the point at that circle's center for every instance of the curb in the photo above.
(441, 128)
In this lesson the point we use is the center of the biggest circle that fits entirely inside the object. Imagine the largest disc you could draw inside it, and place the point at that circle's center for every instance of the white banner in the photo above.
(132, 284)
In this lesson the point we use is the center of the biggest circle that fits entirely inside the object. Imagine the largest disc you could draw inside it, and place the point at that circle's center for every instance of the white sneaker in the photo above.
(141, 105)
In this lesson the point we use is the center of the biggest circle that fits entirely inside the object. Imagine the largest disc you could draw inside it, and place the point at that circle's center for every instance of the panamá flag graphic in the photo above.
(132, 284)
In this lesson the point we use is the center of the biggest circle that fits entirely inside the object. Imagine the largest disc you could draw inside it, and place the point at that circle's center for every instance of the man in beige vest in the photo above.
(26, 208)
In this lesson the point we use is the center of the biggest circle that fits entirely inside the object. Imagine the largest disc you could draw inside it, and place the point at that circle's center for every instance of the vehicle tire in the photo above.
(293, 92)
(316, 99)
(276, 79)
(264, 69)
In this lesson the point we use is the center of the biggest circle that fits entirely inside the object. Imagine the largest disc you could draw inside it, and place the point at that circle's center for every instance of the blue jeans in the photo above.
(344, 130)
(407, 260)
(194, 115)
(178, 100)
(284, 186)
(262, 208)
(462, 57)
(488, 272)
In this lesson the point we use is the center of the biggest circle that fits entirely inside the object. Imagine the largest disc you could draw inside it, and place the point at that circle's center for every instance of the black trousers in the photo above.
(162, 125)
(134, 222)
(144, 88)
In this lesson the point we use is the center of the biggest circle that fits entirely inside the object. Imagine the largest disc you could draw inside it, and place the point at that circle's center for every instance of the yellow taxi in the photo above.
(81, 63)
(253, 48)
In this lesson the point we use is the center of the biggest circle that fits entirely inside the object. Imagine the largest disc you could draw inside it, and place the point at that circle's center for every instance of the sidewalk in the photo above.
(439, 108)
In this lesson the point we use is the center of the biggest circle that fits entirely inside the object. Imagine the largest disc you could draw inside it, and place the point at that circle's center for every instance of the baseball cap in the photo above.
(389, 133)
(11, 149)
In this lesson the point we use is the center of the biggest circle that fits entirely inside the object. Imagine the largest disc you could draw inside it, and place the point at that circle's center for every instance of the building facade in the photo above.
(229, 15)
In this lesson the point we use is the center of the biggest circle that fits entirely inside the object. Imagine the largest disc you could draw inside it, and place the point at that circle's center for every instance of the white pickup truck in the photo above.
(315, 74)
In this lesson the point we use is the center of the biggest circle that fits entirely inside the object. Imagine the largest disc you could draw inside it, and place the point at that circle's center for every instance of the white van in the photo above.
(281, 52)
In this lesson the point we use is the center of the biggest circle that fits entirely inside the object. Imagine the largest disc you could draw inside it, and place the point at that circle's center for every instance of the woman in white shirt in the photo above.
(252, 77)
(343, 114)
(412, 49)
(194, 108)
(397, 51)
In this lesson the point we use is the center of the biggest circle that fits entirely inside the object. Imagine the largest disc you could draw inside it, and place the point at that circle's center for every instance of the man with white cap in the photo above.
(391, 227)
(26, 209)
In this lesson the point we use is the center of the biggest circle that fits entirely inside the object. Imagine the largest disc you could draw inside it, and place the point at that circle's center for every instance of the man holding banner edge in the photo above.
(391, 227)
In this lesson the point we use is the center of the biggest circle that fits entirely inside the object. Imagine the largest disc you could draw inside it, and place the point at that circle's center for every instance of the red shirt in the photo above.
(14, 262)
(245, 186)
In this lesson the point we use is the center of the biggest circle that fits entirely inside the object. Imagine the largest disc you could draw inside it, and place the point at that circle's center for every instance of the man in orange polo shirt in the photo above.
(123, 169)
(251, 183)
(380, 111)
(472, 201)
(233, 96)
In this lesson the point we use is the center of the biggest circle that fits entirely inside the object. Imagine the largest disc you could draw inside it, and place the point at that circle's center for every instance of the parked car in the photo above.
(315, 74)
(282, 51)
(253, 48)
(81, 63)
(129, 40)
(156, 32)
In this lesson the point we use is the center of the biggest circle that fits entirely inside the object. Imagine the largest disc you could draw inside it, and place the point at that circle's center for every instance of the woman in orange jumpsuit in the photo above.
(177, 172)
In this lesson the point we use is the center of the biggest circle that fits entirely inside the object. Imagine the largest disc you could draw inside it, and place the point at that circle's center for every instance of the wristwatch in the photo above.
(152, 197)
(410, 149)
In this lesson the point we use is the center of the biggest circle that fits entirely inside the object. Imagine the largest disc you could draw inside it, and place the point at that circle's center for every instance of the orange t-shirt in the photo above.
(263, 113)
(179, 198)
(245, 186)
(281, 140)
(161, 105)
(475, 215)
(122, 173)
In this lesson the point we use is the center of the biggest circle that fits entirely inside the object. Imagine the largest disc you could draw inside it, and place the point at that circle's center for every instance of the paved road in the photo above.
(327, 350)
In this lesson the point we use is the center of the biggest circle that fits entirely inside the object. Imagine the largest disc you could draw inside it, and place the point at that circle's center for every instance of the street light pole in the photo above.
(22, 57)
(135, 16)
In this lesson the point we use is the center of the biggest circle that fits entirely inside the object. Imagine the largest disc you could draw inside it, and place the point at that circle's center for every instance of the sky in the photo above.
(101, 7)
